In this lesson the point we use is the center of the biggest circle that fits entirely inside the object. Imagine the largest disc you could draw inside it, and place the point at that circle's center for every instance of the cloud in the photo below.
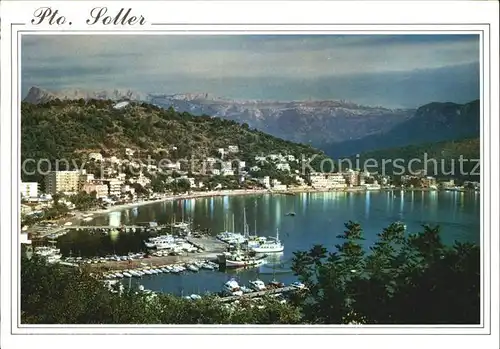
(155, 61)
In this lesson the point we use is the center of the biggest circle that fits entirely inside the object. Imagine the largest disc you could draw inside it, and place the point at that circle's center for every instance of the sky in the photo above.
(385, 70)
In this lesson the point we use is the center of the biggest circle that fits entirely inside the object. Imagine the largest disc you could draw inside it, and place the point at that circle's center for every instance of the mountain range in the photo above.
(340, 128)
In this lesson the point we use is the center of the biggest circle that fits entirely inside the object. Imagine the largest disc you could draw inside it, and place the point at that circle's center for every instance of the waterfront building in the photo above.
(114, 186)
(127, 189)
(62, 181)
(266, 181)
(277, 185)
(321, 180)
(428, 182)
(99, 187)
(472, 185)
(29, 189)
(352, 178)
(84, 178)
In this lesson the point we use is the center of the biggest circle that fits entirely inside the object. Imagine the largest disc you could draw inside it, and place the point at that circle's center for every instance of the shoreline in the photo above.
(79, 215)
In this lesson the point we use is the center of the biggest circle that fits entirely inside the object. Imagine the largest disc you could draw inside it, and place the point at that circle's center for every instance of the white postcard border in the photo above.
(12, 32)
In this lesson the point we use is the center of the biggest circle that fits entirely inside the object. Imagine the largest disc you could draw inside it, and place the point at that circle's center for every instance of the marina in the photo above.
(319, 218)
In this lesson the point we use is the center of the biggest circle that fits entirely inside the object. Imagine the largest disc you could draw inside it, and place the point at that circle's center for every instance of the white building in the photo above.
(114, 186)
(170, 166)
(215, 171)
(226, 165)
(141, 179)
(29, 189)
(233, 149)
(260, 159)
(277, 185)
(227, 172)
(266, 181)
(127, 189)
(255, 168)
(327, 180)
(241, 164)
(95, 156)
(129, 152)
(283, 167)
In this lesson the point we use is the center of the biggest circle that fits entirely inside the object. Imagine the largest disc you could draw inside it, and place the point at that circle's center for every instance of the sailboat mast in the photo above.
(233, 224)
(255, 222)
(277, 234)
(245, 229)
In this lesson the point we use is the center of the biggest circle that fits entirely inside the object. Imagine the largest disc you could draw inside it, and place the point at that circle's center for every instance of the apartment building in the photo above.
(62, 181)
(99, 187)
(114, 186)
(327, 180)
(29, 189)
(352, 178)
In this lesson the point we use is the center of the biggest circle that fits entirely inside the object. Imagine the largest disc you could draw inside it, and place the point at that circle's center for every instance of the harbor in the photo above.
(116, 242)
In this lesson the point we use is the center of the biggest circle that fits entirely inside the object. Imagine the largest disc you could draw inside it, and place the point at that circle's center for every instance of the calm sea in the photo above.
(319, 218)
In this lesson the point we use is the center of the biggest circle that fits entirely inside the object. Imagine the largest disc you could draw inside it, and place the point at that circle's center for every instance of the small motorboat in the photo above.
(207, 266)
(298, 285)
(276, 284)
(193, 268)
(290, 214)
(245, 289)
(257, 285)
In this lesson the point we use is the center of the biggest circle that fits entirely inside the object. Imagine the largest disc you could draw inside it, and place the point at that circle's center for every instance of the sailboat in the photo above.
(270, 246)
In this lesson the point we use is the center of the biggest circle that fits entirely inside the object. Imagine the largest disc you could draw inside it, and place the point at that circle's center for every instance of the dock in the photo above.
(258, 294)
(207, 244)
(109, 227)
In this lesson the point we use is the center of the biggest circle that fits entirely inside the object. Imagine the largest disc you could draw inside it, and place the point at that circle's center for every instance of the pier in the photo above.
(256, 294)
(109, 227)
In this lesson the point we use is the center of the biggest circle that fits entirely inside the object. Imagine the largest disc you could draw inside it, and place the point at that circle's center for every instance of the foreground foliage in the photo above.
(411, 279)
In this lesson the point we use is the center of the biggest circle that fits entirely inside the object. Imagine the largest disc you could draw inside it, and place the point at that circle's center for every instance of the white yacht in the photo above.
(238, 259)
(270, 246)
(232, 287)
(52, 254)
(257, 285)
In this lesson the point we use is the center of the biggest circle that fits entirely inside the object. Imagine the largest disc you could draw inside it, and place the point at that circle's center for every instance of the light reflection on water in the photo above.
(319, 218)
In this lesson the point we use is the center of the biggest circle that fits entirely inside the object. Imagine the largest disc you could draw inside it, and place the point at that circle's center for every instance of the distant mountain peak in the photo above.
(39, 95)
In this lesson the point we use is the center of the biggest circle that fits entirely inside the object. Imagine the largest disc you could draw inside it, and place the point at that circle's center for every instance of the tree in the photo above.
(404, 280)
(413, 279)
(54, 294)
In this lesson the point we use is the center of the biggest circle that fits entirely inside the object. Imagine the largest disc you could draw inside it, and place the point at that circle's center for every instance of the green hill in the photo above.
(446, 154)
(71, 129)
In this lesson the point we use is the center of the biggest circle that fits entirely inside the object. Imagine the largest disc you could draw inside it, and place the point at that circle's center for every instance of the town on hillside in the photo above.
(112, 181)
